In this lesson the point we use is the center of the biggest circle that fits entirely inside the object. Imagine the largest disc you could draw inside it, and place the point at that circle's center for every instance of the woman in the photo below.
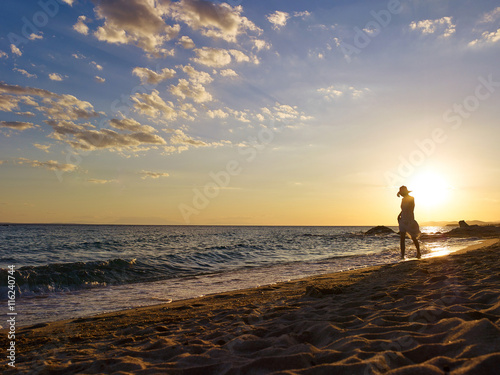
(406, 220)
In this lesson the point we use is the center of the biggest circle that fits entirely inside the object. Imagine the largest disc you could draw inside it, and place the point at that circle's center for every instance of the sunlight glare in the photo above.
(430, 189)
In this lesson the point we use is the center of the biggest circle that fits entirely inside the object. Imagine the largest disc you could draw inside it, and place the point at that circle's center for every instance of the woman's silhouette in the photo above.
(407, 222)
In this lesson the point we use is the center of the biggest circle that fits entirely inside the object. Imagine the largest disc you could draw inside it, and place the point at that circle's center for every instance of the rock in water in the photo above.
(463, 224)
(379, 230)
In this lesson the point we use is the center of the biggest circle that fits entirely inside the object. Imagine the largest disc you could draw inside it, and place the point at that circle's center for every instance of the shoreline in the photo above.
(296, 323)
(114, 298)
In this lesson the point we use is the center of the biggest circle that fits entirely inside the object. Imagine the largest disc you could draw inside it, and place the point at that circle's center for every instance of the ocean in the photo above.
(70, 271)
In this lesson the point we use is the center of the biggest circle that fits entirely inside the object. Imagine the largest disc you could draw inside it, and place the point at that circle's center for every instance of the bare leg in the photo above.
(402, 243)
(417, 245)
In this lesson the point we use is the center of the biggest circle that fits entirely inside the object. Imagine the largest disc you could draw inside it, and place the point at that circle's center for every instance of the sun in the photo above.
(430, 189)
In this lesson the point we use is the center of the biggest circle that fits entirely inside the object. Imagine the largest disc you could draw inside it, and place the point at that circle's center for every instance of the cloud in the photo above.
(337, 91)
(486, 39)
(228, 73)
(44, 148)
(84, 137)
(152, 105)
(217, 113)
(261, 44)
(51, 165)
(106, 138)
(35, 36)
(67, 107)
(18, 125)
(192, 90)
(443, 25)
(99, 182)
(25, 73)
(303, 14)
(56, 77)
(131, 125)
(99, 79)
(134, 22)
(491, 16)
(149, 174)
(215, 20)
(186, 42)
(180, 138)
(149, 76)
(15, 50)
(80, 26)
(62, 110)
(278, 19)
(96, 65)
(239, 56)
(212, 57)
(196, 75)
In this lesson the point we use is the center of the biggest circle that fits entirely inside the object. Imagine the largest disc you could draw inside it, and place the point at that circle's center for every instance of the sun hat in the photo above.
(403, 190)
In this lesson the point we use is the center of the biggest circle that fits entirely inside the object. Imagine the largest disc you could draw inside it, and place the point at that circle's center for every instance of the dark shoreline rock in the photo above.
(379, 230)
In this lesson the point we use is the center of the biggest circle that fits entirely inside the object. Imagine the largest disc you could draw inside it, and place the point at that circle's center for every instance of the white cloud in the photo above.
(149, 174)
(99, 79)
(239, 56)
(44, 148)
(17, 125)
(217, 113)
(228, 73)
(96, 65)
(122, 25)
(196, 75)
(303, 14)
(56, 77)
(15, 50)
(35, 36)
(337, 91)
(54, 106)
(212, 57)
(491, 16)
(67, 107)
(149, 76)
(25, 73)
(278, 19)
(261, 44)
(80, 26)
(131, 125)
(444, 26)
(100, 182)
(3, 55)
(192, 90)
(107, 138)
(180, 138)
(216, 20)
(486, 38)
(152, 105)
(186, 42)
(51, 165)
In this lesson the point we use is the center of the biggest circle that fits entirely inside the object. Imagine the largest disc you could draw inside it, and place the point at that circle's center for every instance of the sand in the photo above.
(432, 316)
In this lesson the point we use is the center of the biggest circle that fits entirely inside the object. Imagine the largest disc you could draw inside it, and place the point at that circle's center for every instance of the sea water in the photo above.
(69, 271)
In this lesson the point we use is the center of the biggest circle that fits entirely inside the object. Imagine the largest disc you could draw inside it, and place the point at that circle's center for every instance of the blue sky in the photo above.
(123, 111)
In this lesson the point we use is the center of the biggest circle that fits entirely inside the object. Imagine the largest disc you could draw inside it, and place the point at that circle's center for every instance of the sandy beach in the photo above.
(434, 316)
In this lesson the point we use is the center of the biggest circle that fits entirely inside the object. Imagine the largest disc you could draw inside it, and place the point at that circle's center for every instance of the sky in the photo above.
(248, 112)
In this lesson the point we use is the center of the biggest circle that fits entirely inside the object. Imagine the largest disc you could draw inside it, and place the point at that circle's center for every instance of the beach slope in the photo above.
(433, 316)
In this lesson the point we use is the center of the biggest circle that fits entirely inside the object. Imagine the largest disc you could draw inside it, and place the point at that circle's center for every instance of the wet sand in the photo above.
(432, 316)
